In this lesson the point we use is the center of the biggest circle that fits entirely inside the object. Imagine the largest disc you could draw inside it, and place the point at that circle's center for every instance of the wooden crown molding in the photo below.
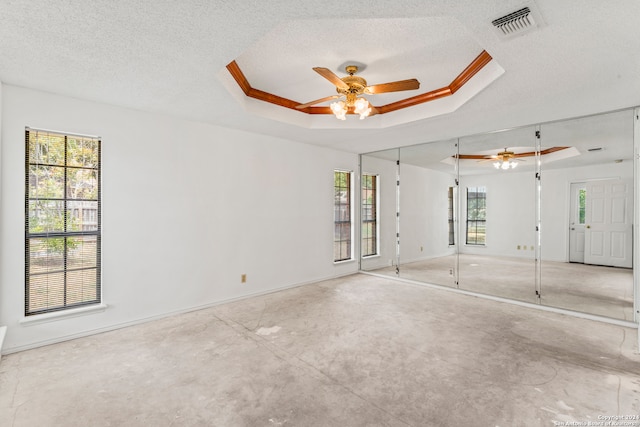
(516, 155)
(472, 69)
(261, 95)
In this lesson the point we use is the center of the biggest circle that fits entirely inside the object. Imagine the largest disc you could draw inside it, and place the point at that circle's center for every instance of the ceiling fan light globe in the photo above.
(339, 109)
(341, 115)
(360, 105)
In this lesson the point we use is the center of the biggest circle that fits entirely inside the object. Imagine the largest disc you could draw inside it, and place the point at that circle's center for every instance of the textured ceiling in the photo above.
(433, 50)
(167, 56)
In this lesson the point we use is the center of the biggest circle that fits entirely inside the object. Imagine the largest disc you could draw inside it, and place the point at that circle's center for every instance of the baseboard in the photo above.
(3, 333)
(139, 321)
(424, 258)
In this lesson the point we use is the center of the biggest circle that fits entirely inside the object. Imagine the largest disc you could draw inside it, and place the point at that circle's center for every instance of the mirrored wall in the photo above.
(541, 214)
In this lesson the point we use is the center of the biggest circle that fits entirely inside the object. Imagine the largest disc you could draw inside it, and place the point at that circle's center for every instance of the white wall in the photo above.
(511, 209)
(424, 227)
(187, 208)
(555, 203)
(3, 329)
(510, 214)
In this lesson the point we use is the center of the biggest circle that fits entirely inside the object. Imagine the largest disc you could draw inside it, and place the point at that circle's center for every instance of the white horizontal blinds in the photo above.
(62, 227)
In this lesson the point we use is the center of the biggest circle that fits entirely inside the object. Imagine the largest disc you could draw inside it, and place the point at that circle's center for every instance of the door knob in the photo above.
(588, 226)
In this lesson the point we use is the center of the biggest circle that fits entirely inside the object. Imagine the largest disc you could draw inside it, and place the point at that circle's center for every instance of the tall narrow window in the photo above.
(62, 221)
(476, 215)
(342, 216)
(450, 215)
(369, 215)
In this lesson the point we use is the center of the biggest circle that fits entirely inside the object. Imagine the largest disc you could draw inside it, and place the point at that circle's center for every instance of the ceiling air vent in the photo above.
(515, 23)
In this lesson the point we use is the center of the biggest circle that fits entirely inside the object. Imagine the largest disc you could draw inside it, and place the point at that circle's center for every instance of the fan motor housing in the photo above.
(356, 85)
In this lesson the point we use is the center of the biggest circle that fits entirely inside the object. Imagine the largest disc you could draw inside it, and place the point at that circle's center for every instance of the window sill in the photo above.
(371, 256)
(344, 261)
(60, 315)
(3, 332)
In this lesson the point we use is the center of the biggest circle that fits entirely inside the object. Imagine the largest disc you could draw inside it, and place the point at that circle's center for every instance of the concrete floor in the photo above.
(355, 351)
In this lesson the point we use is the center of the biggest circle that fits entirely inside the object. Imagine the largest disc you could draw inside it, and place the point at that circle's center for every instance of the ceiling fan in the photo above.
(353, 86)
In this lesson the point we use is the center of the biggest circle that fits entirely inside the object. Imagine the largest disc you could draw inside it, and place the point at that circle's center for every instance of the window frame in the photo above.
(340, 219)
(473, 214)
(451, 208)
(375, 209)
(73, 209)
(582, 206)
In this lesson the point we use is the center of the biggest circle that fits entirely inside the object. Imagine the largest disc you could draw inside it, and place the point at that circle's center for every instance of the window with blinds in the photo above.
(342, 216)
(369, 215)
(476, 215)
(62, 221)
(450, 217)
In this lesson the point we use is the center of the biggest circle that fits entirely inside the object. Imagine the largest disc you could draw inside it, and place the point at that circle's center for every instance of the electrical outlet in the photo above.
(243, 278)
(518, 247)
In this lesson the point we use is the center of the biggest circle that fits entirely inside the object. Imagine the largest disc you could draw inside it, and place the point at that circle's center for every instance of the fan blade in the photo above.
(317, 101)
(329, 75)
(398, 86)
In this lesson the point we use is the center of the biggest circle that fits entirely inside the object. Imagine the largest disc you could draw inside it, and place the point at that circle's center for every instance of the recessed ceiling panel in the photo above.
(434, 50)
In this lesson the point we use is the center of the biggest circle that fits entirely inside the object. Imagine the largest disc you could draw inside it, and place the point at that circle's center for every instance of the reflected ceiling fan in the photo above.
(504, 159)
(351, 87)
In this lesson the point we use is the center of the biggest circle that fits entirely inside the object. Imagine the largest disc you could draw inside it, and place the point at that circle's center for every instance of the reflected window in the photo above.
(62, 215)
(450, 215)
(582, 197)
(369, 215)
(476, 215)
(342, 216)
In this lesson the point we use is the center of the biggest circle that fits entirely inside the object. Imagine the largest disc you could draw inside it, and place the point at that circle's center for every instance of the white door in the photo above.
(577, 221)
(608, 223)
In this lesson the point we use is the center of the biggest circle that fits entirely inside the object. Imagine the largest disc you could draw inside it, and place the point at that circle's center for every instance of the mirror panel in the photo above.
(498, 214)
(378, 212)
(428, 175)
(562, 240)
(587, 215)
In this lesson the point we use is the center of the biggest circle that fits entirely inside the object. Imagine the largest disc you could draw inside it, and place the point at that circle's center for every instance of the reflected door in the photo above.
(608, 218)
